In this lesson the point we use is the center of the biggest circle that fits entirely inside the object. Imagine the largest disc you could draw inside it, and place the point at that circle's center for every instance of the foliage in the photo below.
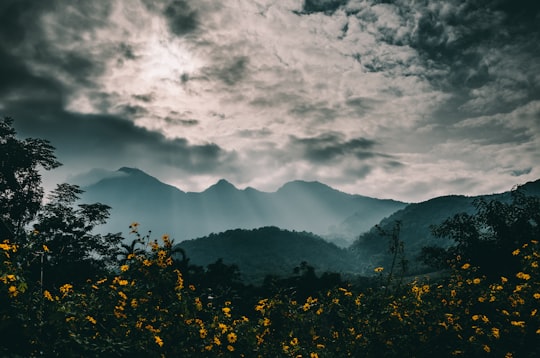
(488, 237)
(20, 181)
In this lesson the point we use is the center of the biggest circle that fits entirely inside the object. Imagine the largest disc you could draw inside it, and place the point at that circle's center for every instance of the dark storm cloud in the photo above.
(331, 146)
(23, 37)
(458, 39)
(16, 19)
(17, 79)
(324, 6)
(93, 139)
(182, 19)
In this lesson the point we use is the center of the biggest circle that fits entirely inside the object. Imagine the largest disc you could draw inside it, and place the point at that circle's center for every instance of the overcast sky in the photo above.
(398, 99)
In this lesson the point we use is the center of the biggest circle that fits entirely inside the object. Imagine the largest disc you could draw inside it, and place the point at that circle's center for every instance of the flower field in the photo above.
(145, 307)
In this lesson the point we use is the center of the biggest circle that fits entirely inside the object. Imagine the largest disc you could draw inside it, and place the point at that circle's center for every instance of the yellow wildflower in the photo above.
(47, 295)
(518, 323)
(230, 348)
(124, 268)
(12, 290)
(91, 319)
(378, 269)
(466, 266)
(158, 340)
(45, 248)
(515, 252)
(536, 295)
(198, 304)
(476, 281)
(231, 337)
(65, 289)
(523, 276)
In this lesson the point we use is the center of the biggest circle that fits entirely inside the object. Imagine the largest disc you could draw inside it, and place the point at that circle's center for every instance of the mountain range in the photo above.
(135, 196)
(270, 233)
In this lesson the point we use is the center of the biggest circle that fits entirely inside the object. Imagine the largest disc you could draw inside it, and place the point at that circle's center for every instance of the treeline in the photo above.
(66, 291)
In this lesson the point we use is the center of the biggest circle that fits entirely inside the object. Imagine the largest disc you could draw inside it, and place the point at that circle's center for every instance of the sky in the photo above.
(403, 99)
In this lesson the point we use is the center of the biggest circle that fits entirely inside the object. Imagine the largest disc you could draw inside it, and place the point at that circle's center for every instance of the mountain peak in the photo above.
(297, 184)
(221, 185)
(129, 170)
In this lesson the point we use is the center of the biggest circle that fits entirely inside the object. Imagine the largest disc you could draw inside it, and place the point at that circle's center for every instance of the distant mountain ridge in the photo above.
(297, 205)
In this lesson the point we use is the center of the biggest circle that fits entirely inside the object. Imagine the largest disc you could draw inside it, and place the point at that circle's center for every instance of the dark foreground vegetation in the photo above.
(65, 291)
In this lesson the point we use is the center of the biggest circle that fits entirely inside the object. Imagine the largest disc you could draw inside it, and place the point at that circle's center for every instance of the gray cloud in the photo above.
(229, 72)
(520, 172)
(318, 112)
(324, 6)
(332, 146)
(255, 133)
(182, 19)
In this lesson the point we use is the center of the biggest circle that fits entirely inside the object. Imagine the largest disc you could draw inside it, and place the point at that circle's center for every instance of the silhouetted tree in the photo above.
(489, 237)
(63, 233)
(20, 182)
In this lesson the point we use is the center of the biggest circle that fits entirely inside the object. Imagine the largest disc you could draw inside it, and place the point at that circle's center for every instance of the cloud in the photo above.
(520, 172)
(324, 6)
(182, 19)
(230, 73)
(331, 147)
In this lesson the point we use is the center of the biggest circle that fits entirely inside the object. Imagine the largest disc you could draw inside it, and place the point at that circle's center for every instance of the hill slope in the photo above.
(416, 220)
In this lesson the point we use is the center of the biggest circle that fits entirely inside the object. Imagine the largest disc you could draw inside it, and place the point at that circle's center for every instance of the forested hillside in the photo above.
(416, 224)
(269, 251)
